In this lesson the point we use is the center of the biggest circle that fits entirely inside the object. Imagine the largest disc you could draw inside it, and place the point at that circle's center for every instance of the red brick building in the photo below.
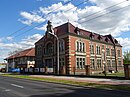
(78, 49)
(22, 59)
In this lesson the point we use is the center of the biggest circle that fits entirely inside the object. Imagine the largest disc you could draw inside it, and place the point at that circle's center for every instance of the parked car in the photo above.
(14, 70)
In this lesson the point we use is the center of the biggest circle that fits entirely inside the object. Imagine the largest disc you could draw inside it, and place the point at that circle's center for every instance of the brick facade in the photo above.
(78, 49)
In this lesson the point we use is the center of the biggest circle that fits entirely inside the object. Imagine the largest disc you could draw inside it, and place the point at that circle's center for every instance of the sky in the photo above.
(23, 22)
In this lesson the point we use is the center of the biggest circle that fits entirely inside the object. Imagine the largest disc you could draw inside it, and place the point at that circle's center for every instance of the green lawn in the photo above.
(118, 74)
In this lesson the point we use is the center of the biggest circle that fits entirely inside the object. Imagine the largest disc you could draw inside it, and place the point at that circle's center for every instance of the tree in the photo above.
(127, 57)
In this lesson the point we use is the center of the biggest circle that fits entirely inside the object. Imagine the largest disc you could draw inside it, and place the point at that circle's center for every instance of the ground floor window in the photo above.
(99, 64)
(119, 63)
(93, 63)
(113, 63)
(109, 63)
(62, 61)
(80, 63)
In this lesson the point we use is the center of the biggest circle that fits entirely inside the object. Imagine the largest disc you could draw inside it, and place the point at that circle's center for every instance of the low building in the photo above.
(22, 59)
(80, 51)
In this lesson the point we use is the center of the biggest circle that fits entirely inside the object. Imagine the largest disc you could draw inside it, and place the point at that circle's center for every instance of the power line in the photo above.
(81, 22)
(48, 14)
(105, 14)
(39, 18)
(104, 9)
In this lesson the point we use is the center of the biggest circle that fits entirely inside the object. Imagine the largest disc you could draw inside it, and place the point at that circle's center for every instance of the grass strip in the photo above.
(70, 82)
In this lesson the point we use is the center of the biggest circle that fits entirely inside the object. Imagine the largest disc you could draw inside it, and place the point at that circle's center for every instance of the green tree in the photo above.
(127, 57)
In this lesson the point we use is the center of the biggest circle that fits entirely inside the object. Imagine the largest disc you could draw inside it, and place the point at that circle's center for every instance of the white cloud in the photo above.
(29, 18)
(25, 43)
(125, 42)
(9, 38)
(113, 23)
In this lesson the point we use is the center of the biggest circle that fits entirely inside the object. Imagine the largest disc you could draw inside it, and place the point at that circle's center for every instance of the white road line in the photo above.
(7, 90)
(17, 86)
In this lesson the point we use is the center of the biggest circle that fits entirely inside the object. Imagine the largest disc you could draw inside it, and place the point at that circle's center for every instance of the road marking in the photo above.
(7, 90)
(17, 86)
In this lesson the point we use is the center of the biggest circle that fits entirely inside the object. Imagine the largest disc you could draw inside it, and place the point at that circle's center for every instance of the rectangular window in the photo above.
(109, 63)
(108, 51)
(112, 52)
(119, 54)
(80, 63)
(77, 46)
(77, 63)
(93, 63)
(102, 47)
(99, 65)
(119, 63)
(91, 49)
(83, 62)
(96, 49)
(113, 63)
(61, 61)
(83, 48)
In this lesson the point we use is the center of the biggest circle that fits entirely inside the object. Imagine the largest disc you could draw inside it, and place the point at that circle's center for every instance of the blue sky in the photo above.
(15, 14)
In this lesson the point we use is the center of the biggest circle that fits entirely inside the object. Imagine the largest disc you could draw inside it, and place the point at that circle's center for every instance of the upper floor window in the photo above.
(98, 51)
(39, 50)
(102, 47)
(108, 51)
(49, 48)
(112, 52)
(119, 53)
(61, 45)
(80, 46)
(92, 49)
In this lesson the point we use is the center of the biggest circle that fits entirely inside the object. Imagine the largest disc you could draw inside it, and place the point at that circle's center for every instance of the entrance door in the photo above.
(49, 65)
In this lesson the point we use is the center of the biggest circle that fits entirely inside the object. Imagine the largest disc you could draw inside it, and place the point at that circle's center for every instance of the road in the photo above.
(13, 87)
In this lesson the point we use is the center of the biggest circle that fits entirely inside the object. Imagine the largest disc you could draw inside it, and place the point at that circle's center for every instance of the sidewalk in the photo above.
(88, 80)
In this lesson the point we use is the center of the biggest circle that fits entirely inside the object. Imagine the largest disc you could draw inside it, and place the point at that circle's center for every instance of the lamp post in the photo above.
(57, 50)
(104, 63)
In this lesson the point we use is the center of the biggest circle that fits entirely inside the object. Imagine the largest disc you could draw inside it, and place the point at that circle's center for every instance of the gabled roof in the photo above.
(69, 28)
(24, 53)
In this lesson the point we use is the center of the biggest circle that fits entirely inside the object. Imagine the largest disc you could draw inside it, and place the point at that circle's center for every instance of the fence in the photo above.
(87, 70)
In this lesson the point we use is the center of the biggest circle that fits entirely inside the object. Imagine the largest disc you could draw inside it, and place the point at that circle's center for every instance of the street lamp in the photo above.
(57, 51)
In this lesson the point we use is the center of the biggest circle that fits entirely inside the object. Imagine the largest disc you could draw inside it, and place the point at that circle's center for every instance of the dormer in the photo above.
(77, 31)
(99, 37)
(92, 35)
(116, 42)
(106, 39)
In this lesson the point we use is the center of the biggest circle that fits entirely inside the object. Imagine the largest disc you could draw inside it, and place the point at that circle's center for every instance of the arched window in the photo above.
(61, 45)
(80, 46)
(49, 48)
(98, 52)
(91, 48)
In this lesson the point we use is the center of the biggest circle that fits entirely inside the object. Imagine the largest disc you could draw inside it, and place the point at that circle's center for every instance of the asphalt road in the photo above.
(12, 87)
